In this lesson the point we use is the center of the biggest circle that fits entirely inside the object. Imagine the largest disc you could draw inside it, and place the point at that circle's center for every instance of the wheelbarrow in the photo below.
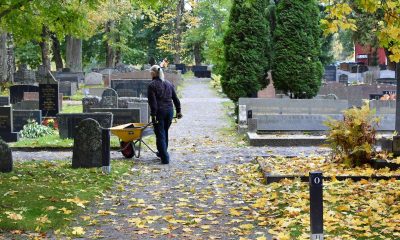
(131, 138)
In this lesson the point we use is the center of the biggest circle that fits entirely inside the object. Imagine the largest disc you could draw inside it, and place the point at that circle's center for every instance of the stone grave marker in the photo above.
(98, 92)
(120, 115)
(330, 73)
(144, 110)
(6, 161)
(87, 151)
(6, 125)
(67, 76)
(26, 105)
(124, 101)
(4, 100)
(343, 78)
(90, 102)
(49, 99)
(181, 67)
(31, 96)
(131, 88)
(24, 76)
(391, 81)
(21, 117)
(17, 92)
(109, 99)
(67, 122)
(242, 115)
(94, 78)
(67, 88)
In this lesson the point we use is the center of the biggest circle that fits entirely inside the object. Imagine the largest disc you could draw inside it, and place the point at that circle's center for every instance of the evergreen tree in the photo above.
(246, 47)
(297, 69)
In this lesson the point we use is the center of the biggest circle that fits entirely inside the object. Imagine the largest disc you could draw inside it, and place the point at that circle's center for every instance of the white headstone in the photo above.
(94, 78)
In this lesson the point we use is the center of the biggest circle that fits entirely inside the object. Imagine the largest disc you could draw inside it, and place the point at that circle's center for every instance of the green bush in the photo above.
(34, 130)
(352, 138)
(246, 45)
(296, 68)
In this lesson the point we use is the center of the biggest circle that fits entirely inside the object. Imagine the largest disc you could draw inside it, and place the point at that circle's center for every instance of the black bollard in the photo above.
(316, 206)
(105, 147)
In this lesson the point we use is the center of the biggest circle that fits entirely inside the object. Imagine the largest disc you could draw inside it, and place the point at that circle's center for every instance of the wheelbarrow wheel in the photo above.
(127, 149)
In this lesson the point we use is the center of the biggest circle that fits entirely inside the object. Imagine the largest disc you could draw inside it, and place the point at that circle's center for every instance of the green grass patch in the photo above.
(67, 108)
(231, 130)
(53, 141)
(43, 195)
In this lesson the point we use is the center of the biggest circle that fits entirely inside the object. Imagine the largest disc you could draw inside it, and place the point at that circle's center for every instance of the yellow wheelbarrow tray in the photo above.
(131, 138)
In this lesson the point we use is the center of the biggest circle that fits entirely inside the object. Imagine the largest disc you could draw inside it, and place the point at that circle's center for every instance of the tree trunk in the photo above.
(110, 54)
(118, 53)
(74, 54)
(45, 47)
(10, 58)
(197, 53)
(3, 57)
(57, 52)
(178, 31)
(397, 123)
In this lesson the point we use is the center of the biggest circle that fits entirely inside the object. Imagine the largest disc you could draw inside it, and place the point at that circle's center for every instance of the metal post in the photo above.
(105, 147)
(316, 206)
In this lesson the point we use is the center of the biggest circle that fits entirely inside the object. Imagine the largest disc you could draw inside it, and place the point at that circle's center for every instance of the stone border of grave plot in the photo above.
(377, 164)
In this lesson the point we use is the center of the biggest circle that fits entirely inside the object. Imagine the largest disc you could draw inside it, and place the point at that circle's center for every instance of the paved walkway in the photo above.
(199, 194)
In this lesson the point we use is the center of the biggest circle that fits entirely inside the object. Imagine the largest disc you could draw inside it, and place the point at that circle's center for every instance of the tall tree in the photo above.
(246, 43)
(296, 67)
(3, 57)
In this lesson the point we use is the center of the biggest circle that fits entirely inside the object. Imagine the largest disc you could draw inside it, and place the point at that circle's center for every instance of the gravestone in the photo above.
(27, 105)
(181, 67)
(109, 99)
(330, 73)
(17, 92)
(294, 122)
(67, 122)
(67, 76)
(60, 102)
(94, 78)
(90, 102)
(87, 151)
(131, 88)
(6, 161)
(124, 101)
(144, 110)
(242, 115)
(343, 78)
(49, 99)
(67, 88)
(120, 115)
(4, 100)
(21, 117)
(24, 76)
(6, 125)
(391, 81)
(31, 96)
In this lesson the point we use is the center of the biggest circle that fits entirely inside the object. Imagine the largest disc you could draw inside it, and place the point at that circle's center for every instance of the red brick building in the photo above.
(365, 54)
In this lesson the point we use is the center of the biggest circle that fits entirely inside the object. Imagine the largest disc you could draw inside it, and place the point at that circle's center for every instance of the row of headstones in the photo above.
(266, 115)
(87, 150)
(201, 71)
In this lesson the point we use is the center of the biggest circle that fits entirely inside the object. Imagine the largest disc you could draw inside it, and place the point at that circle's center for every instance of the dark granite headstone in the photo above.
(109, 99)
(181, 67)
(67, 88)
(4, 100)
(6, 161)
(135, 87)
(68, 76)
(21, 117)
(330, 73)
(87, 145)
(343, 78)
(27, 105)
(90, 102)
(199, 68)
(67, 122)
(24, 76)
(6, 125)
(49, 99)
(17, 92)
(202, 74)
(120, 115)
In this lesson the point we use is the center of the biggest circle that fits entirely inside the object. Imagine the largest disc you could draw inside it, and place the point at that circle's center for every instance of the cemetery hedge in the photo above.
(42, 195)
(296, 68)
(246, 45)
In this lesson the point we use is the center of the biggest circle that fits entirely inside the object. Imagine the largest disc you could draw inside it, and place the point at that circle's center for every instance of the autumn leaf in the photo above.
(14, 216)
(78, 231)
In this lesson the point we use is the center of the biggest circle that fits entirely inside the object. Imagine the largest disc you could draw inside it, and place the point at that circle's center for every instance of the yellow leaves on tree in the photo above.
(340, 16)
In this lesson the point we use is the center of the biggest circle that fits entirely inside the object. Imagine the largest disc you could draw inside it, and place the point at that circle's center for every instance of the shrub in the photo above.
(352, 138)
(34, 130)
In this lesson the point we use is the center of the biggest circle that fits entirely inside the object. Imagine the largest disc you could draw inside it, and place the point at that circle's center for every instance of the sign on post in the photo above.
(316, 206)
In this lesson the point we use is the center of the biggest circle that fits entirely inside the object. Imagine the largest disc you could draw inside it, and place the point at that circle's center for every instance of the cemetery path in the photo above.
(204, 193)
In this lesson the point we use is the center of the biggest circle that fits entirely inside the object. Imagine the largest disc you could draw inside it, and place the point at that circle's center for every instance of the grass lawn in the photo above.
(42, 195)
(72, 108)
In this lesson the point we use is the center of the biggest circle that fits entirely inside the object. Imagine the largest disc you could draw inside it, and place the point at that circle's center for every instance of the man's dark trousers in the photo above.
(164, 120)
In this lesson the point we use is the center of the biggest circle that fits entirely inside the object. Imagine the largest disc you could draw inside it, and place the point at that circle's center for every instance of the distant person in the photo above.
(161, 94)
(164, 63)
(152, 61)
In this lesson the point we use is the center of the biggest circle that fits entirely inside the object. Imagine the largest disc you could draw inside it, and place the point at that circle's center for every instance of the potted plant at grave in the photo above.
(34, 130)
(352, 139)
